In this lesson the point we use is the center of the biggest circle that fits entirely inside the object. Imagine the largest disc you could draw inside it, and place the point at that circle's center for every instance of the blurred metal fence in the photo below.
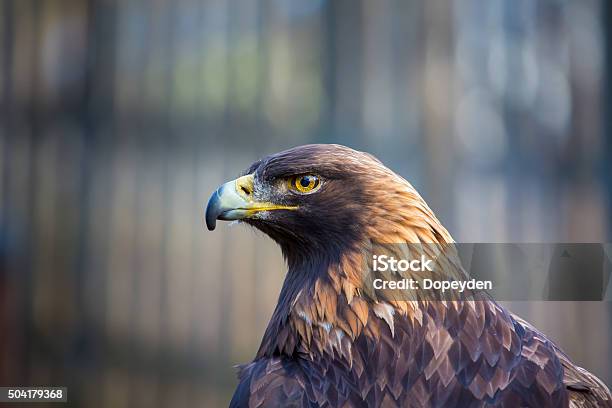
(119, 118)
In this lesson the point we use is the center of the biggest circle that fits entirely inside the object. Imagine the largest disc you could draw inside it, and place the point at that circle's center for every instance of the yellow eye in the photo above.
(306, 183)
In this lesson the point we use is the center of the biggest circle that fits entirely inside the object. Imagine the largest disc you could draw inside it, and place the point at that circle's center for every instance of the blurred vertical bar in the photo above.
(607, 111)
(438, 105)
(606, 18)
(178, 232)
(9, 367)
(96, 126)
(347, 22)
(213, 80)
(23, 183)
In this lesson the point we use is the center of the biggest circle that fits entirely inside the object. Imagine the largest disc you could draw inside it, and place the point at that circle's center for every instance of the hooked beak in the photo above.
(234, 201)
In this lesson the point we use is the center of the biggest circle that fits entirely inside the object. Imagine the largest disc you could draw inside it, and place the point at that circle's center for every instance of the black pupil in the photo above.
(305, 181)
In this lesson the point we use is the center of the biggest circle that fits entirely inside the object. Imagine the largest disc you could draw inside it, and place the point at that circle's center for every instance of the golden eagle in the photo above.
(331, 343)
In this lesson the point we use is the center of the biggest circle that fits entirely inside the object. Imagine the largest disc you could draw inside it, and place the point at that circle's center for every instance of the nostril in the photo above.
(244, 187)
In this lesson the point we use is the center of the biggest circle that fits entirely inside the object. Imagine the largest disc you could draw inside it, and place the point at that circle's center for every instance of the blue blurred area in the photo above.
(119, 118)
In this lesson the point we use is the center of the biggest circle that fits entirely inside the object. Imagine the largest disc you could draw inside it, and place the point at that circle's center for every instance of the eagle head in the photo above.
(325, 198)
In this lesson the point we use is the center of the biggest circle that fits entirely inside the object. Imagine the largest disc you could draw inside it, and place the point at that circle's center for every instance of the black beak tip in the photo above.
(212, 211)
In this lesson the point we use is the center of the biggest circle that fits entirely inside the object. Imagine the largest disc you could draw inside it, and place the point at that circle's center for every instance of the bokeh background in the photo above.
(118, 118)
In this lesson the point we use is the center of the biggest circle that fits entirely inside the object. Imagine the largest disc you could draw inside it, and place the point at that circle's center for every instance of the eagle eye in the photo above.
(305, 183)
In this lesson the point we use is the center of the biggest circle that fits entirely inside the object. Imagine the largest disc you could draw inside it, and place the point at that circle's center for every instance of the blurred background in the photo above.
(119, 118)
